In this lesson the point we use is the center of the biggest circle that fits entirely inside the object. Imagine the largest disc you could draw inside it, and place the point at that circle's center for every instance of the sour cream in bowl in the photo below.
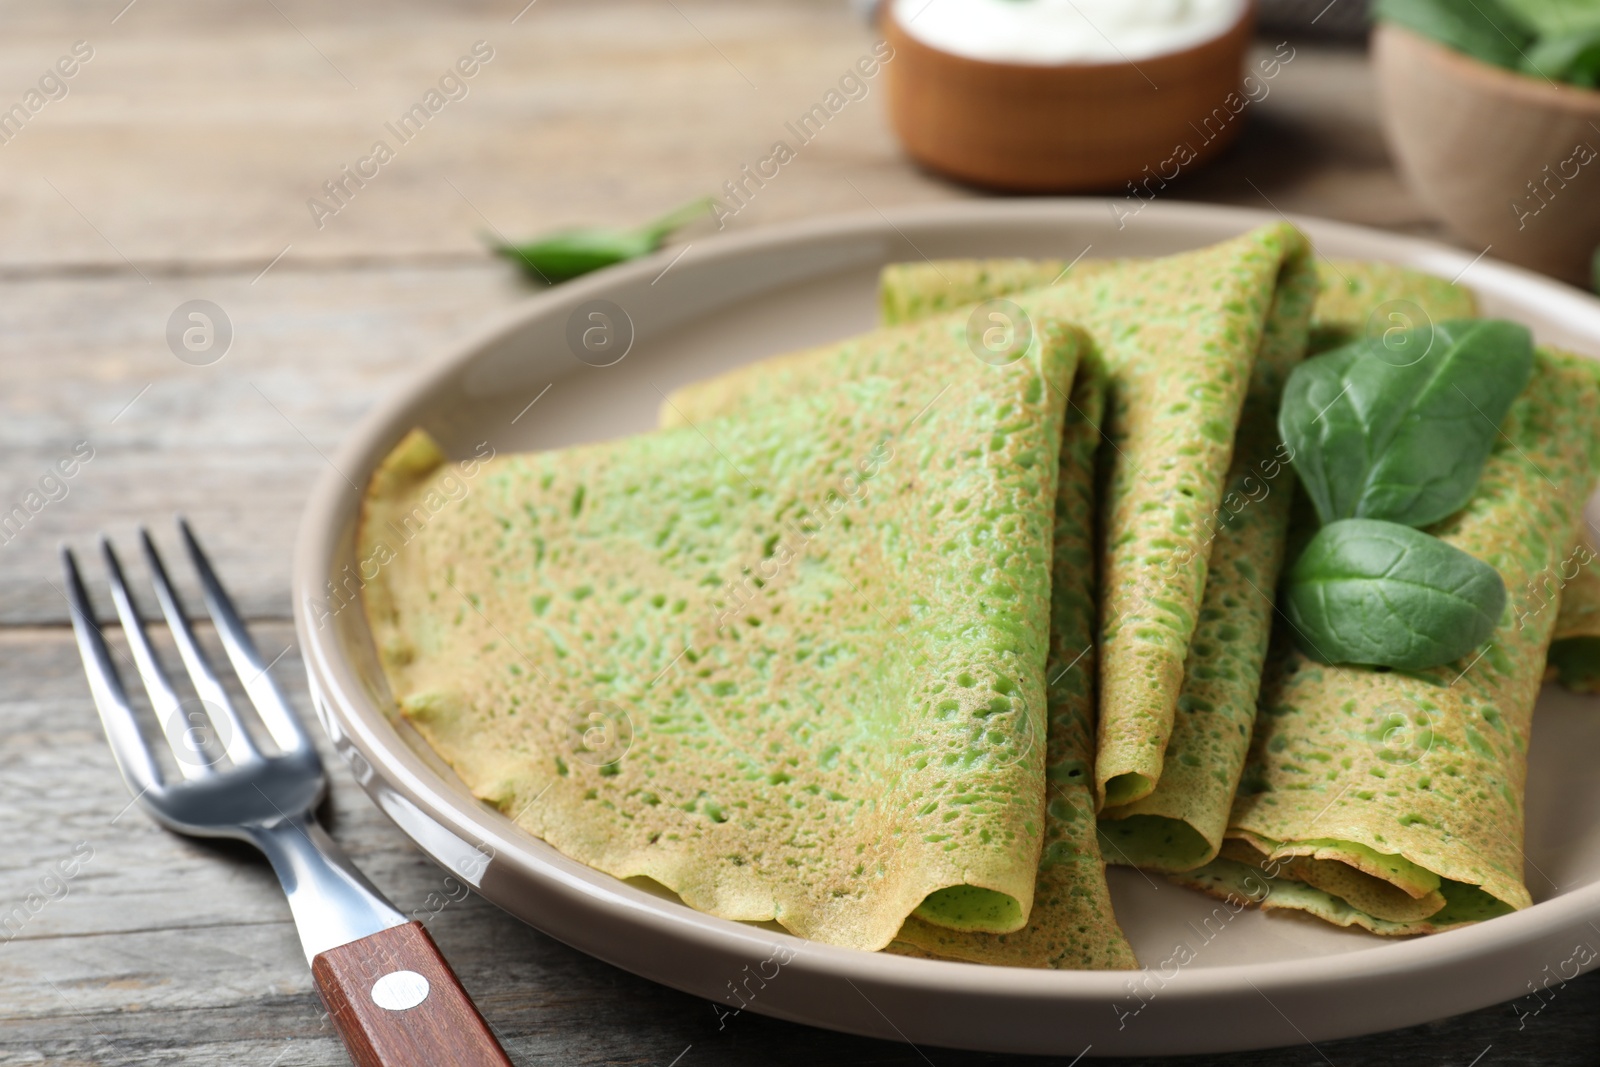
(1066, 31)
(1065, 95)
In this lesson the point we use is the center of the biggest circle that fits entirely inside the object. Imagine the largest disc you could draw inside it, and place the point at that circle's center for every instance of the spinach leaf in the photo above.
(1382, 594)
(1397, 426)
(560, 256)
(1551, 18)
(1483, 29)
(1573, 58)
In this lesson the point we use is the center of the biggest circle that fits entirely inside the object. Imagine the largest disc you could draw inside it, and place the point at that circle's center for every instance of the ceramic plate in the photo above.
(1250, 980)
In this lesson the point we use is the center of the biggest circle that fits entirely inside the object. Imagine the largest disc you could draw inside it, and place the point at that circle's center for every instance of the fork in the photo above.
(389, 992)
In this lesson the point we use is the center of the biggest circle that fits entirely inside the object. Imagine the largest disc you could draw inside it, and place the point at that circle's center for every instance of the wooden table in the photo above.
(178, 167)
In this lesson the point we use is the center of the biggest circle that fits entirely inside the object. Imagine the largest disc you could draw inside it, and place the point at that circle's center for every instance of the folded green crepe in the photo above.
(1394, 800)
(1360, 297)
(1180, 824)
(1179, 338)
(790, 667)
(1072, 924)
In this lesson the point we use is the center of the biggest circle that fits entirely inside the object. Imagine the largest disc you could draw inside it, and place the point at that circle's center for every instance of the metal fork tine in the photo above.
(192, 760)
(139, 770)
(281, 721)
(240, 747)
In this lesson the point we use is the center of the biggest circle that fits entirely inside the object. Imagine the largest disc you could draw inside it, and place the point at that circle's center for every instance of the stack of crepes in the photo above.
(1366, 797)
(863, 639)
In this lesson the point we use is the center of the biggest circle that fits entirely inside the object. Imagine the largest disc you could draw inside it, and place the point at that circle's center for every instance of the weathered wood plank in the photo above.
(235, 444)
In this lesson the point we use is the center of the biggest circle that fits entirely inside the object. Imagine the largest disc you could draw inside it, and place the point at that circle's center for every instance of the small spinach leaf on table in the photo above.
(1381, 594)
(1398, 426)
(567, 254)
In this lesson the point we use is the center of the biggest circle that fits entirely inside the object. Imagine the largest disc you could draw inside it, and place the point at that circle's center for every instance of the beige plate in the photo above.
(1255, 980)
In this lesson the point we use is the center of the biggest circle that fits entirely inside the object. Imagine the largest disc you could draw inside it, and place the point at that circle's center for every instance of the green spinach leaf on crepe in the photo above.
(1429, 767)
(1397, 426)
(1483, 29)
(1382, 594)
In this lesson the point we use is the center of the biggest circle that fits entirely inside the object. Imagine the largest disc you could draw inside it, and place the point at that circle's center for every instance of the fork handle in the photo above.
(396, 1003)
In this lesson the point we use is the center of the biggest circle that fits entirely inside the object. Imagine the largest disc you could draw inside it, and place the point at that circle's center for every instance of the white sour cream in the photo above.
(1065, 31)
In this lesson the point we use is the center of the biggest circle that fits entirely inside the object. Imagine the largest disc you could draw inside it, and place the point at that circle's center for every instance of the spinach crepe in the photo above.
(1394, 800)
(1072, 924)
(1359, 297)
(790, 667)
(1180, 824)
(1179, 338)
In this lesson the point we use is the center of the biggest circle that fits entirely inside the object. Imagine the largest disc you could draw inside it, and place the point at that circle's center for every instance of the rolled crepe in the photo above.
(1072, 924)
(1180, 824)
(1394, 801)
(790, 667)
(1179, 338)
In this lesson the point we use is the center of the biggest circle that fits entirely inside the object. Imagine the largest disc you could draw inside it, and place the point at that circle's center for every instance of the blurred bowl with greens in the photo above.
(1492, 112)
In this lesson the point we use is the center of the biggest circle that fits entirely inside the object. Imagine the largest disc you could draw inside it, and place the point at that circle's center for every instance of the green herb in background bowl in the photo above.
(1554, 39)
(566, 254)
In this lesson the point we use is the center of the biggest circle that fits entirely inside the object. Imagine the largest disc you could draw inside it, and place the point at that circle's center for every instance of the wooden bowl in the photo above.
(1066, 127)
(1509, 161)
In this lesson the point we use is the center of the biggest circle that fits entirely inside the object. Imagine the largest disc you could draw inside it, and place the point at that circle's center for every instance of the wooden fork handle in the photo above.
(396, 1003)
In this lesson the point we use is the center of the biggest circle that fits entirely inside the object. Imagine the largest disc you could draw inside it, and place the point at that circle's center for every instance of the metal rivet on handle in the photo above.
(399, 990)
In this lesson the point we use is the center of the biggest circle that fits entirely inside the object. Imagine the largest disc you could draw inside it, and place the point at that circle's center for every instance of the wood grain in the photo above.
(177, 167)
